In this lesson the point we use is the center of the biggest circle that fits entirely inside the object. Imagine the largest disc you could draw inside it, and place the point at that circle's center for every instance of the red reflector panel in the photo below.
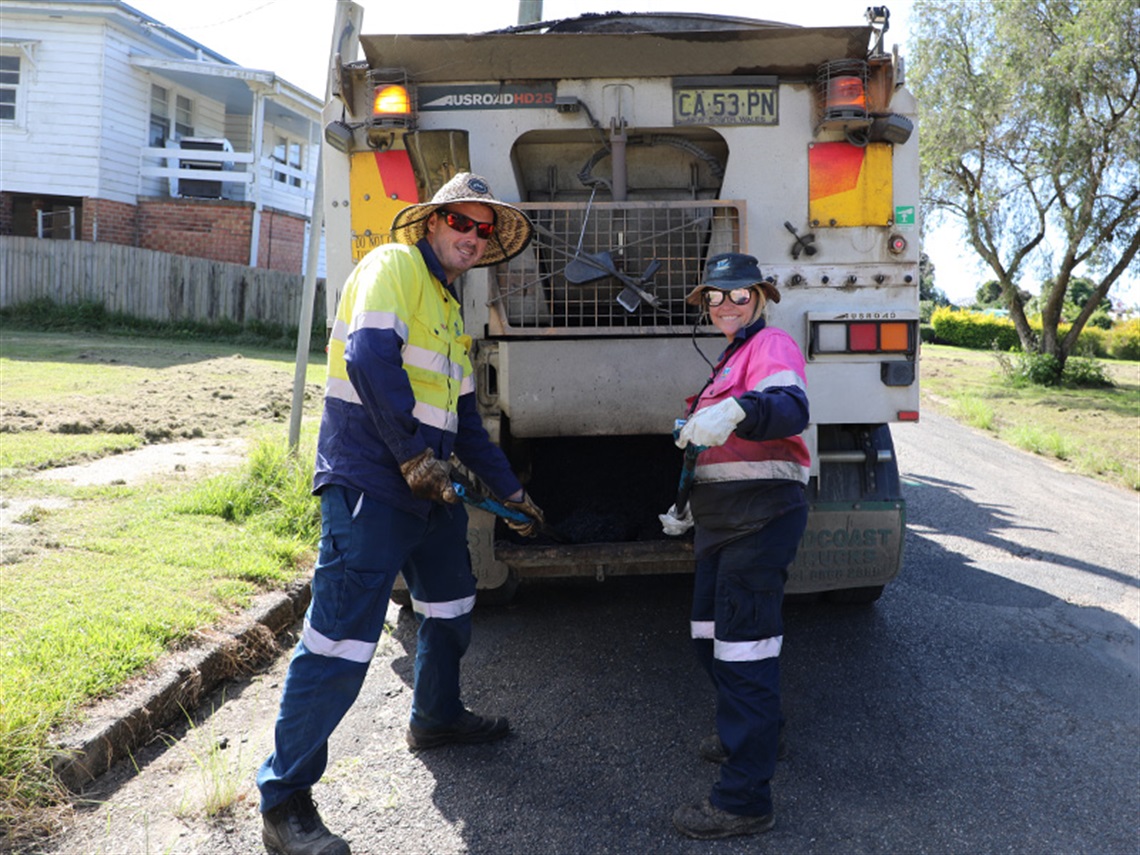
(396, 173)
(895, 337)
(863, 337)
(908, 415)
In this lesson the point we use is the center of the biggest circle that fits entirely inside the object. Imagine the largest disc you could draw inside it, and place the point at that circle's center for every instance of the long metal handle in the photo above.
(685, 487)
(466, 491)
(492, 506)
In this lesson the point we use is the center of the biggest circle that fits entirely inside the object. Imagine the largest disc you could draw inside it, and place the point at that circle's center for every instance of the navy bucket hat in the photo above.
(731, 270)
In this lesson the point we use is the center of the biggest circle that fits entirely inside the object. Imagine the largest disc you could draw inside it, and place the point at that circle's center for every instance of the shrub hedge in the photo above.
(974, 330)
(981, 331)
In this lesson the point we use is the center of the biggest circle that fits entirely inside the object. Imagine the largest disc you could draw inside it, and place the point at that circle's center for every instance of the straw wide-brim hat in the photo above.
(731, 270)
(513, 229)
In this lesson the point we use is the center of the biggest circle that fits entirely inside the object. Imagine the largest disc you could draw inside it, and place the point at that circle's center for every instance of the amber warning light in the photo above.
(391, 102)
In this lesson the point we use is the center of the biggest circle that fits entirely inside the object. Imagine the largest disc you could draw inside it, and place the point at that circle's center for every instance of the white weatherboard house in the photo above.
(115, 128)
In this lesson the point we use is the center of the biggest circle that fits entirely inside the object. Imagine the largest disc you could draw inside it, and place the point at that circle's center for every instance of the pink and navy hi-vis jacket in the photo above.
(759, 473)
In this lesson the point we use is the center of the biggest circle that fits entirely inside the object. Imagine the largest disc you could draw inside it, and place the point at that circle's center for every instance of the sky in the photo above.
(292, 38)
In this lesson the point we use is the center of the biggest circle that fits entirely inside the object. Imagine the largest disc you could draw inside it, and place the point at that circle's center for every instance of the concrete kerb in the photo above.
(116, 727)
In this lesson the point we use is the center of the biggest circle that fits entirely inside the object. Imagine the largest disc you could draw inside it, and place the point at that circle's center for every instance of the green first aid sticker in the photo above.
(904, 215)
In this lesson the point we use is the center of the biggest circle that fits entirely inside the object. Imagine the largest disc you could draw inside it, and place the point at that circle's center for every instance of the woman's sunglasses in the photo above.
(463, 224)
(737, 296)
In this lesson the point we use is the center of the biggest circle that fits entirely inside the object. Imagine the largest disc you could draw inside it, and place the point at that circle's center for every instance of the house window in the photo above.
(159, 116)
(183, 117)
(9, 87)
(291, 153)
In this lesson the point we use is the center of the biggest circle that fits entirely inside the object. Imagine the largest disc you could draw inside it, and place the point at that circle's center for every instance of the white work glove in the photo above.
(674, 524)
(712, 425)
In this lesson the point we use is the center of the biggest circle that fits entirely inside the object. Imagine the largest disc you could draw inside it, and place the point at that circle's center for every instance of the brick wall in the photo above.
(218, 230)
(109, 222)
(281, 245)
(5, 213)
(215, 229)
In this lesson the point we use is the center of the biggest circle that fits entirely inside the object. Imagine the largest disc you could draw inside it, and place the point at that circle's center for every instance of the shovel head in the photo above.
(584, 269)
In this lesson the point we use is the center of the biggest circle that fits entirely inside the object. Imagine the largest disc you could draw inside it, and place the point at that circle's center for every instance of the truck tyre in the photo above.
(501, 595)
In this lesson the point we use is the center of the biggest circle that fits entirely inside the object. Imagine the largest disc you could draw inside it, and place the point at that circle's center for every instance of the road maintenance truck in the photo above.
(640, 145)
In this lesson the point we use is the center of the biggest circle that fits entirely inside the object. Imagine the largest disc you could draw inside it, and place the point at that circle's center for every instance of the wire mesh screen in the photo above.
(612, 267)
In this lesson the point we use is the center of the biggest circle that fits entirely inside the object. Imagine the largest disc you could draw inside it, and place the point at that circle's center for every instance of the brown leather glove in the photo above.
(528, 507)
(429, 478)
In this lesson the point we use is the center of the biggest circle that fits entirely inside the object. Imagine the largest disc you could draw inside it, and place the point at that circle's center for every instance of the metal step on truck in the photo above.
(640, 145)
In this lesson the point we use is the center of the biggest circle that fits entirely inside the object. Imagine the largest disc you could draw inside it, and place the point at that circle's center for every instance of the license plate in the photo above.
(751, 104)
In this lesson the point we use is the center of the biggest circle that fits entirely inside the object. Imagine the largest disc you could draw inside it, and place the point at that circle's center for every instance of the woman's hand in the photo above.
(712, 425)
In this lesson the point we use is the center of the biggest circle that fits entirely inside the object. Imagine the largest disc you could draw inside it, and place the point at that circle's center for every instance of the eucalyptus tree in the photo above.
(1031, 139)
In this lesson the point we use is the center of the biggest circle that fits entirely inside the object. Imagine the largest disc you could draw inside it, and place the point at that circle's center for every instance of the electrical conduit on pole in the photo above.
(305, 321)
(346, 29)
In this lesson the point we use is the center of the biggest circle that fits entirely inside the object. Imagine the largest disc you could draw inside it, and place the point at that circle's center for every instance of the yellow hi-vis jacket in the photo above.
(400, 380)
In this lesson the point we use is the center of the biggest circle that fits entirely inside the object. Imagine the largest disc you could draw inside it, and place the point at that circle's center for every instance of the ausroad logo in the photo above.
(491, 96)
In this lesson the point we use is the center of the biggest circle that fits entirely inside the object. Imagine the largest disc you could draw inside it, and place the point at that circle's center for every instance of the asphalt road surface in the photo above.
(989, 702)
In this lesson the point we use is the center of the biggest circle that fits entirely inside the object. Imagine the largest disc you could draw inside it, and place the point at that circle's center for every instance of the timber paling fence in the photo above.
(152, 285)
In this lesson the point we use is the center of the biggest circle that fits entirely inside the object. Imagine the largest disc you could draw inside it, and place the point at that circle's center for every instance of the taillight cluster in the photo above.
(843, 336)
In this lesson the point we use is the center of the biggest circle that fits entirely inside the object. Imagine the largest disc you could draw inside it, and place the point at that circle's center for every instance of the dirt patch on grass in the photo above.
(186, 459)
(194, 406)
(219, 396)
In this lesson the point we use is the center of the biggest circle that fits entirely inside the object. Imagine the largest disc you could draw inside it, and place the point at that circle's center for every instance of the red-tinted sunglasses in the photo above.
(463, 224)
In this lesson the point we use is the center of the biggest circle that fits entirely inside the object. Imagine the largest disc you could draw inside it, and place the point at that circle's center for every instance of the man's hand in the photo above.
(429, 478)
(525, 505)
(712, 425)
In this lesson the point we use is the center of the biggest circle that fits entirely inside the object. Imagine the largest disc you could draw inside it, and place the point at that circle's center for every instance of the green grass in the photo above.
(100, 581)
(142, 569)
(45, 314)
(1092, 431)
(973, 411)
(41, 450)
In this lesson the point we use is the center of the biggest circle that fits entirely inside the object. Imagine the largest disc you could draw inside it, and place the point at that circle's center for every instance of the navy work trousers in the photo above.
(364, 544)
(738, 630)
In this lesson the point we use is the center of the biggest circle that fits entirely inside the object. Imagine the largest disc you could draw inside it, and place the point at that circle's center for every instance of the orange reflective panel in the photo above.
(894, 337)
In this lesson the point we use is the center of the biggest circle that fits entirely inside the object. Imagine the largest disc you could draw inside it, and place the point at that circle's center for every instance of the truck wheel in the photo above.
(501, 595)
(855, 596)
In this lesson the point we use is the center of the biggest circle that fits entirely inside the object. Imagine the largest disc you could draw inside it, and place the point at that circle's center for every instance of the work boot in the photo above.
(468, 728)
(712, 749)
(295, 828)
(705, 821)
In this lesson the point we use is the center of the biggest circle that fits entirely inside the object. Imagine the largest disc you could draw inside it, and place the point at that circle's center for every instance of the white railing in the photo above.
(235, 168)
(231, 165)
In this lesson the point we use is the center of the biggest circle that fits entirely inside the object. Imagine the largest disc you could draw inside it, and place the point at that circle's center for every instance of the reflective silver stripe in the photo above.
(780, 378)
(468, 385)
(379, 321)
(702, 628)
(342, 390)
(339, 330)
(752, 470)
(445, 610)
(359, 505)
(429, 360)
(434, 416)
(322, 645)
(747, 651)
